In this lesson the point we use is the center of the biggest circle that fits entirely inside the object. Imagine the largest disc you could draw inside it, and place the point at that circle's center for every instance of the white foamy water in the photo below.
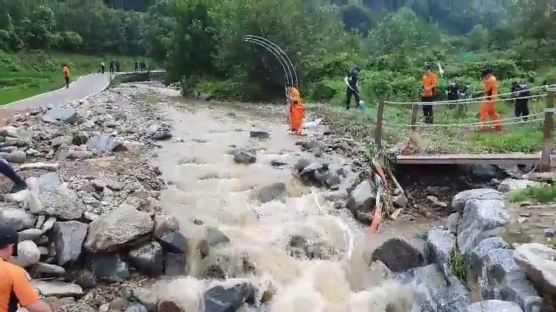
(210, 187)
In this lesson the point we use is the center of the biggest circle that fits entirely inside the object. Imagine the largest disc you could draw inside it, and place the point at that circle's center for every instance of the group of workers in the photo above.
(520, 92)
(115, 66)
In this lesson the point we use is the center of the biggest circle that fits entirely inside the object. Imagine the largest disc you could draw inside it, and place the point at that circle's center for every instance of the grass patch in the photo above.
(33, 72)
(458, 265)
(542, 194)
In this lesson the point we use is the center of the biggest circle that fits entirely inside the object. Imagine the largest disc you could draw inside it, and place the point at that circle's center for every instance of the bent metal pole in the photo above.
(282, 52)
(287, 71)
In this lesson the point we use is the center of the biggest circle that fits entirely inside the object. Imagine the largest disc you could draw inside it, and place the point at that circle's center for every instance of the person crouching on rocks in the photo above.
(297, 111)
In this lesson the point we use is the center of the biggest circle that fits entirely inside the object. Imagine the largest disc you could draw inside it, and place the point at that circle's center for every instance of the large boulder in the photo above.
(432, 292)
(440, 245)
(228, 299)
(244, 155)
(115, 229)
(69, 237)
(28, 254)
(17, 218)
(104, 143)
(539, 263)
(494, 306)
(165, 224)
(481, 219)
(399, 255)
(458, 202)
(50, 196)
(270, 192)
(148, 258)
(57, 289)
(512, 185)
(362, 201)
(59, 115)
(502, 279)
(475, 258)
(110, 268)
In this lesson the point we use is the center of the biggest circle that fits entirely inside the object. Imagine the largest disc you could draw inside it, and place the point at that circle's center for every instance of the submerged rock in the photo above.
(259, 134)
(270, 192)
(227, 299)
(244, 156)
(399, 255)
(494, 306)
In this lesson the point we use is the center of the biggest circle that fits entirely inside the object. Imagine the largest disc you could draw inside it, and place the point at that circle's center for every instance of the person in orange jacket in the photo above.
(297, 111)
(430, 83)
(67, 75)
(488, 110)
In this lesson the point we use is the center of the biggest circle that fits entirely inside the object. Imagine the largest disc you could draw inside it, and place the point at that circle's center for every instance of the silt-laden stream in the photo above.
(208, 189)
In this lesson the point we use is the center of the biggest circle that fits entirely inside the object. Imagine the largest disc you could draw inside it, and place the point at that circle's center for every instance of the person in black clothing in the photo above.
(352, 87)
(136, 66)
(6, 170)
(522, 93)
(112, 66)
(118, 66)
(453, 94)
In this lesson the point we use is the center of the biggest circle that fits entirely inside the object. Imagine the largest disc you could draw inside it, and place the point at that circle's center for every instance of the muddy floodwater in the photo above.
(208, 189)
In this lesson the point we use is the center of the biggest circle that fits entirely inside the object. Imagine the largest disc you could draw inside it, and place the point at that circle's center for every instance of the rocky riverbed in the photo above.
(140, 200)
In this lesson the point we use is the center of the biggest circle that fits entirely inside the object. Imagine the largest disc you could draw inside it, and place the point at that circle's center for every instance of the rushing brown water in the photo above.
(207, 185)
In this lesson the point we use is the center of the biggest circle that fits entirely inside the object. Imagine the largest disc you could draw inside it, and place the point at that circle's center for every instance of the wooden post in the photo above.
(548, 128)
(414, 112)
(378, 130)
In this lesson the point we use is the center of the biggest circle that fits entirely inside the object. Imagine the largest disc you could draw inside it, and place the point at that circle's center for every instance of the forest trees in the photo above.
(71, 26)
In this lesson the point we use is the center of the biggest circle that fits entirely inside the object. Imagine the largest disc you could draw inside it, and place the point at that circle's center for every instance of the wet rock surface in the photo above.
(399, 255)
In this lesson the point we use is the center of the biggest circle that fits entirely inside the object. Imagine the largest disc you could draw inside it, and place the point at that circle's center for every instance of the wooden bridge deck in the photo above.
(471, 159)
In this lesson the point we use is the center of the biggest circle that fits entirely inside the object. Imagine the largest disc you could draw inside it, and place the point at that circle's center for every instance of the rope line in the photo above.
(467, 101)
(466, 125)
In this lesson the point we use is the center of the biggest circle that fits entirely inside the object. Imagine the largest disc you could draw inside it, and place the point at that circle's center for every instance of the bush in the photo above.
(187, 85)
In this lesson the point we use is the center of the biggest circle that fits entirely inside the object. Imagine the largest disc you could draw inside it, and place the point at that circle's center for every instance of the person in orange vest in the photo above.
(67, 75)
(489, 105)
(430, 83)
(297, 111)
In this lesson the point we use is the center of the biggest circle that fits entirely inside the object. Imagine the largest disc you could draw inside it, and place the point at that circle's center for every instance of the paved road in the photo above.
(81, 88)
